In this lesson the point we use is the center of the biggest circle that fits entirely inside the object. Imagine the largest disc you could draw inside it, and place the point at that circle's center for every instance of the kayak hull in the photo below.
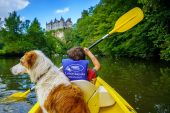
(120, 106)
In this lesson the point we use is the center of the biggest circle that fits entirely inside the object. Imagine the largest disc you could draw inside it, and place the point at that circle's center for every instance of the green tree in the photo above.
(11, 34)
(18, 37)
(40, 40)
(36, 35)
(71, 38)
(12, 23)
(54, 45)
(25, 26)
(150, 38)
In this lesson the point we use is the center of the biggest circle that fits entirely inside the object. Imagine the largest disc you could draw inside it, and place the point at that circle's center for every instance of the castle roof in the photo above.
(55, 20)
(62, 19)
(69, 20)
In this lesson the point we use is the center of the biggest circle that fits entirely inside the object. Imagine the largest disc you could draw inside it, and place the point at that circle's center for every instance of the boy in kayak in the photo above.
(76, 67)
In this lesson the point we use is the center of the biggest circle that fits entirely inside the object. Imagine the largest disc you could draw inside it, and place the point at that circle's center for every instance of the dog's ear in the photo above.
(29, 59)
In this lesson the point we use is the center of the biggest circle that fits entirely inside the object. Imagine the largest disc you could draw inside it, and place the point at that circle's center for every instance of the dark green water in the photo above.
(144, 84)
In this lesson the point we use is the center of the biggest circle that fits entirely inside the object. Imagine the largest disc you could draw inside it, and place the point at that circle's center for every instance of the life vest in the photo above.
(75, 70)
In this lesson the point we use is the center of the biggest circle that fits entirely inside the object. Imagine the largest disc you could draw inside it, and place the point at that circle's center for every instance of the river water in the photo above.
(145, 84)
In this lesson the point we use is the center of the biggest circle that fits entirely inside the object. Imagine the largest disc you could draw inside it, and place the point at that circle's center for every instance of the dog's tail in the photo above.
(66, 99)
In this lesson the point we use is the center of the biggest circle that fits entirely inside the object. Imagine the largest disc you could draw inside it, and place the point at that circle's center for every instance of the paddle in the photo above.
(21, 94)
(124, 23)
(16, 96)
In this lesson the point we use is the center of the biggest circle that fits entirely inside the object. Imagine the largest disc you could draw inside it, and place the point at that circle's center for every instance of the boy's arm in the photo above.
(93, 59)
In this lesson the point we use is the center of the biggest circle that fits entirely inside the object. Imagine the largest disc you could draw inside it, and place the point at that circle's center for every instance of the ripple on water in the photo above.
(16, 107)
(12, 107)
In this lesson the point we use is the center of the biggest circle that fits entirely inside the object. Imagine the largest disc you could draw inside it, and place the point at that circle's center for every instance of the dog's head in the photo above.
(35, 63)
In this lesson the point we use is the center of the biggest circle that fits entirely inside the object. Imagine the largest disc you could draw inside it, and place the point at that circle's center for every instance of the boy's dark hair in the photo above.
(76, 53)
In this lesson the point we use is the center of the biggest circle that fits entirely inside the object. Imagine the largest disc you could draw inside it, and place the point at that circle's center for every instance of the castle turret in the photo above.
(62, 19)
(68, 22)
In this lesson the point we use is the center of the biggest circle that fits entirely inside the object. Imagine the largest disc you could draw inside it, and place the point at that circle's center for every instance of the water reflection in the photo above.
(10, 84)
(144, 84)
(16, 107)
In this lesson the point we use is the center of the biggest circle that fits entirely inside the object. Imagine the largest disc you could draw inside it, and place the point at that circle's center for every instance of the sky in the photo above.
(46, 10)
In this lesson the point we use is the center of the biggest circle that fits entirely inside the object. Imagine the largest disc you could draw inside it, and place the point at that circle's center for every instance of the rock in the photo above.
(3, 86)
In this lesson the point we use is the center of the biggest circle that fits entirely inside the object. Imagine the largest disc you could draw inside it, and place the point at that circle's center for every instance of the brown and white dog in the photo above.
(54, 91)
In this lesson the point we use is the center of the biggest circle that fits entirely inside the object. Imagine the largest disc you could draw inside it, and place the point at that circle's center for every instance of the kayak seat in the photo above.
(87, 88)
(105, 99)
(94, 97)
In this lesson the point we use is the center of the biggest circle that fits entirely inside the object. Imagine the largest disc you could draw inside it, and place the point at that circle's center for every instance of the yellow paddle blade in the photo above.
(20, 94)
(128, 20)
(10, 100)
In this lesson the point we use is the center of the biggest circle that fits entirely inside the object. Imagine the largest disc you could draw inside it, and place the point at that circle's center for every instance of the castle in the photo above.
(58, 24)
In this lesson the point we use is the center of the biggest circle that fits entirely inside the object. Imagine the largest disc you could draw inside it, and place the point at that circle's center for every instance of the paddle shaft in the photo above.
(98, 41)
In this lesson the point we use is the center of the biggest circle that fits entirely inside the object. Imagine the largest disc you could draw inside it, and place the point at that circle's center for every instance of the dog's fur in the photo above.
(54, 91)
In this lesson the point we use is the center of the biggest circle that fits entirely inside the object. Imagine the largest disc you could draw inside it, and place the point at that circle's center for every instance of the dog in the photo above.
(55, 92)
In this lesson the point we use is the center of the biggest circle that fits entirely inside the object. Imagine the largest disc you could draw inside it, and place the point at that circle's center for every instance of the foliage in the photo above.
(11, 34)
(54, 45)
(150, 38)
(18, 37)
(71, 38)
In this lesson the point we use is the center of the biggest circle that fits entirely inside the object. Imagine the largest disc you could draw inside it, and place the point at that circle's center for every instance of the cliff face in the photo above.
(58, 34)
